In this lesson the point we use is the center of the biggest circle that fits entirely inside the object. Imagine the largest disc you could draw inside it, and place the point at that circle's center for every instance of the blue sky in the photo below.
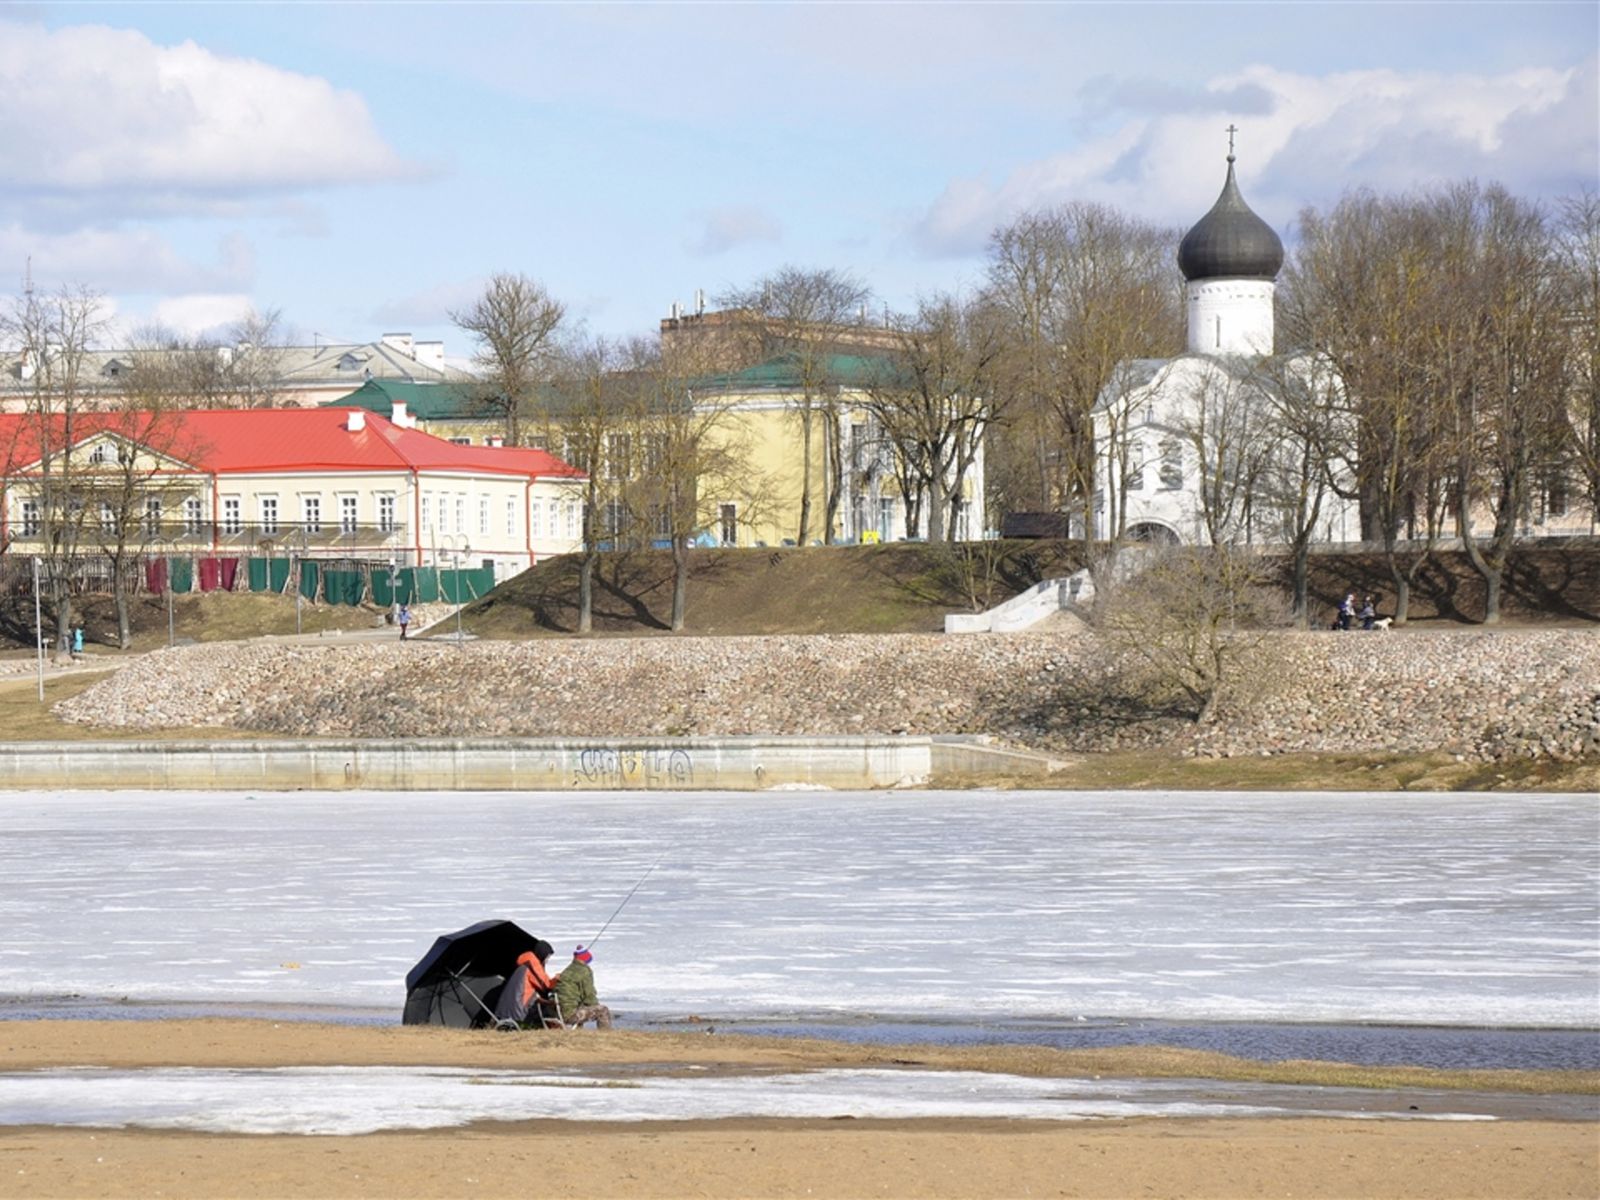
(364, 167)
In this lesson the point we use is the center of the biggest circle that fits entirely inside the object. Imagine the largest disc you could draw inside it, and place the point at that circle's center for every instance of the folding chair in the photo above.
(548, 1010)
(501, 1024)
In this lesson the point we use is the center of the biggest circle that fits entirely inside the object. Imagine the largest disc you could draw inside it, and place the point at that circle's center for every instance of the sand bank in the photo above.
(1311, 1156)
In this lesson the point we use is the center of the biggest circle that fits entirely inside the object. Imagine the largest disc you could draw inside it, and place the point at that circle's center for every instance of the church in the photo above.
(1181, 449)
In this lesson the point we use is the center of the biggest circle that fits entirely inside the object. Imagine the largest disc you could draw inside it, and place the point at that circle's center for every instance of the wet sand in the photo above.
(1311, 1156)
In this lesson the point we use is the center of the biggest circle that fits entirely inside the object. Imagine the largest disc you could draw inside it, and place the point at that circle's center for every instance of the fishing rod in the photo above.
(590, 943)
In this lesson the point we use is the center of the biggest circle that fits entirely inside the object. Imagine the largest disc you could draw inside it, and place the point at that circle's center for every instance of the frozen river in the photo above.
(1445, 910)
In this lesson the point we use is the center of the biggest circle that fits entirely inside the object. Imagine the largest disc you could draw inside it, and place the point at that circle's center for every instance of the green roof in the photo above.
(425, 401)
(783, 373)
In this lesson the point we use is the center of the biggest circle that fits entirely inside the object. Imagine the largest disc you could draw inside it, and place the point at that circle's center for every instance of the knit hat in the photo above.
(582, 955)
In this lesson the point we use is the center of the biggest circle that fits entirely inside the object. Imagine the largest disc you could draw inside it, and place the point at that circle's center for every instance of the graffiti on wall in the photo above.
(607, 768)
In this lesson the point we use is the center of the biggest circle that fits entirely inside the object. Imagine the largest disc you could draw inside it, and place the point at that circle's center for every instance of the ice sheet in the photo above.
(1434, 909)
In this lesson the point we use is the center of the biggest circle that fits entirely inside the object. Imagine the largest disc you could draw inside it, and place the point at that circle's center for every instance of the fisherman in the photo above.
(576, 995)
(528, 981)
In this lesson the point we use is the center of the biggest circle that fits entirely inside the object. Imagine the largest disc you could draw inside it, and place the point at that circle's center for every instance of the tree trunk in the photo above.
(586, 590)
(1491, 572)
(680, 582)
(833, 483)
(119, 592)
(805, 474)
(1302, 599)
(936, 509)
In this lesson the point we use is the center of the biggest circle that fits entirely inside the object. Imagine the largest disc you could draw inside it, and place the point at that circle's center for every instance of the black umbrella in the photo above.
(458, 980)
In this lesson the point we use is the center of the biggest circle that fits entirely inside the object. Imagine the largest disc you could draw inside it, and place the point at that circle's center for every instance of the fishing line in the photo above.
(590, 943)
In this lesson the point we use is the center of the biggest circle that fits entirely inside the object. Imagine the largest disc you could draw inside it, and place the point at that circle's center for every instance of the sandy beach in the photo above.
(1313, 1156)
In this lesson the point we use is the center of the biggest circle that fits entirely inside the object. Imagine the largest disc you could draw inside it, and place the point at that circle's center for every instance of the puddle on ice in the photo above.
(354, 1100)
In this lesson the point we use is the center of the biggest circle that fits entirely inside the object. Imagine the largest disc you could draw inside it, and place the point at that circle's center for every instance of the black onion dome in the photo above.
(1230, 241)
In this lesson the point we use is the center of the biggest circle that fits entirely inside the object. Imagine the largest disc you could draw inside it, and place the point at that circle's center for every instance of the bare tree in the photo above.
(592, 403)
(1306, 406)
(1226, 426)
(1194, 619)
(1082, 288)
(137, 475)
(810, 317)
(1505, 365)
(516, 324)
(54, 333)
(934, 401)
(692, 457)
(1357, 297)
(1578, 230)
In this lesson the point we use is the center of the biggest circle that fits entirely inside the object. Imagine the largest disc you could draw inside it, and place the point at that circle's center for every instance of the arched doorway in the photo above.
(1152, 533)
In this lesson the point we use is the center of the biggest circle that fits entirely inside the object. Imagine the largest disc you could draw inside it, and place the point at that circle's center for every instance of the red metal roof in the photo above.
(245, 441)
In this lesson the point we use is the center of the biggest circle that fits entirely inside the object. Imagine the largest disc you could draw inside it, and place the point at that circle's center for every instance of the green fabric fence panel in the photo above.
(343, 587)
(309, 574)
(466, 585)
(181, 573)
(277, 574)
(405, 585)
(382, 588)
(427, 586)
(258, 574)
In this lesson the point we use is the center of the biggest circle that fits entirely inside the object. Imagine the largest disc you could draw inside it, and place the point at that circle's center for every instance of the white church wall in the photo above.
(1230, 316)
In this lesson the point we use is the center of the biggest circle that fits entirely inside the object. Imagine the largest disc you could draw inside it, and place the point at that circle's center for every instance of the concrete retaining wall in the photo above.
(709, 764)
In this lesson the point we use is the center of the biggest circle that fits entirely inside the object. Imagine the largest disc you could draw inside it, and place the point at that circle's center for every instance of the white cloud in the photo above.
(93, 110)
(1533, 129)
(202, 313)
(123, 260)
(431, 306)
(721, 229)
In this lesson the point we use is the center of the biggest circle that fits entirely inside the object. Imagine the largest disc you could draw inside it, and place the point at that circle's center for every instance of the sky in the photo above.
(364, 168)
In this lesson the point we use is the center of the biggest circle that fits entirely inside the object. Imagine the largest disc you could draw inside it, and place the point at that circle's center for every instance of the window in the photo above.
(728, 519)
(311, 513)
(30, 518)
(152, 517)
(386, 514)
(231, 521)
(108, 518)
(427, 516)
(619, 449)
(191, 516)
(269, 515)
(655, 454)
(461, 441)
(483, 515)
(572, 518)
(461, 514)
(534, 523)
(1555, 498)
(105, 454)
(661, 521)
(1171, 465)
(555, 519)
(885, 518)
(511, 517)
(858, 446)
(347, 514)
(616, 519)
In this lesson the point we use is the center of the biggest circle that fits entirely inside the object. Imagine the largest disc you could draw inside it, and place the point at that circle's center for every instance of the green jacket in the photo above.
(575, 988)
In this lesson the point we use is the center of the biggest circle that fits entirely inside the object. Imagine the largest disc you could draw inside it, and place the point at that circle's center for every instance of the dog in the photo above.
(1382, 624)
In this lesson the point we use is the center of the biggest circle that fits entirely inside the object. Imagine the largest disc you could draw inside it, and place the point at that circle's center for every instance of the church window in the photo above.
(1219, 331)
(1171, 465)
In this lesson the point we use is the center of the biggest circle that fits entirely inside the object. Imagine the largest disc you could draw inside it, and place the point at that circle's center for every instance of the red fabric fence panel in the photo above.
(230, 572)
(210, 574)
(155, 575)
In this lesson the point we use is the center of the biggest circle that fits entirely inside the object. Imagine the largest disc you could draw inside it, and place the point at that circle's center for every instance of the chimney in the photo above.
(399, 415)
(430, 354)
(677, 310)
(355, 420)
(402, 342)
(700, 302)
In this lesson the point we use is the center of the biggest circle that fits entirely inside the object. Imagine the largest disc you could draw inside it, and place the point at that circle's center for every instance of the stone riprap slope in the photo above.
(1487, 695)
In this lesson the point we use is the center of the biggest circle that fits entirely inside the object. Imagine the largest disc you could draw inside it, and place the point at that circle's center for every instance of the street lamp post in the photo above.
(38, 627)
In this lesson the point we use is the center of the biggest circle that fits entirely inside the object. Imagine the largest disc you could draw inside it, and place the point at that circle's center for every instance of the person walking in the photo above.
(403, 618)
(1369, 613)
(576, 995)
(1347, 610)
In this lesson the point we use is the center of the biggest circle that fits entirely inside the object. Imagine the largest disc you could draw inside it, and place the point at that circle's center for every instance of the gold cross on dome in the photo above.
(1232, 129)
